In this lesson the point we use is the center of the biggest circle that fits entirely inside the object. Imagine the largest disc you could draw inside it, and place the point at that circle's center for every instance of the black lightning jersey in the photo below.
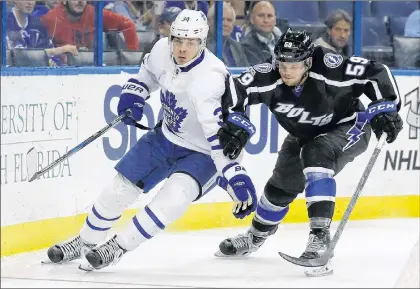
(329, 96)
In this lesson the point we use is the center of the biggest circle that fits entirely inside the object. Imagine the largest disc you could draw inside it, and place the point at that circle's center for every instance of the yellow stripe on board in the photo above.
(36, 235)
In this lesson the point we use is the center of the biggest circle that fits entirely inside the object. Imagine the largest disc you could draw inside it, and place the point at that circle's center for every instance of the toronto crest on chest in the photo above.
(174, 101)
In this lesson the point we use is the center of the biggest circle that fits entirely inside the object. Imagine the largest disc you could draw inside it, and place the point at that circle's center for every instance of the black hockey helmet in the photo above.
(293, 46)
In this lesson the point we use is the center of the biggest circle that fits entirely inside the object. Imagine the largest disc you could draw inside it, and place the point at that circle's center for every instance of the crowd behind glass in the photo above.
(62, 33)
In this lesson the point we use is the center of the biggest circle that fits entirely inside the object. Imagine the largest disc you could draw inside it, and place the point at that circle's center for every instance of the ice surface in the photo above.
(369, 254)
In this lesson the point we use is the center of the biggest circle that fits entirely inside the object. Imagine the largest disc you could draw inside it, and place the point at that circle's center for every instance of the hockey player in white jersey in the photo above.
(184, 148)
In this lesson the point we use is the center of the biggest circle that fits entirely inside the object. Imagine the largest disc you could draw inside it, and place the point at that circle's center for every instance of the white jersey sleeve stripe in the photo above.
(233, 92)
(260, 89)
(347, 82)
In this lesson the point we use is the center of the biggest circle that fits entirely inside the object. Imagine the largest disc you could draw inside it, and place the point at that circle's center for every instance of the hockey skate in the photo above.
(243, 244)
(109, 253)
(318, 242)
(67, 251)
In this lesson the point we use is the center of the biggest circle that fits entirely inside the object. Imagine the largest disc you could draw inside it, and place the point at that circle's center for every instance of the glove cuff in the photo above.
(135, 87)
(380, 107)
(232, 170)
(241, 121)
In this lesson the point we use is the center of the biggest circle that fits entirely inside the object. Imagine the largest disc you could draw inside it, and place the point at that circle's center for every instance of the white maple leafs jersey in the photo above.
(190, 97)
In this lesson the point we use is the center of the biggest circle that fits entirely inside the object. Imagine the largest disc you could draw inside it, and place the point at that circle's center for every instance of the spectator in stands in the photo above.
(238, 6)
(9, 5)
(127, 9)
(26, 31)
(147, 11)
(72, 22)
(165, 20)
(136, 11)
(193, 5)
(42, 7)
(237, 33)
(412, 25)
(260, 41)
(338, 33)
(233, 52)
(248, 7)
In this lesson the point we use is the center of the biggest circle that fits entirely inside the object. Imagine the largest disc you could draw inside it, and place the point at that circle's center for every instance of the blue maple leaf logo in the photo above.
(173, 115)
(182, 113)
(170, 99)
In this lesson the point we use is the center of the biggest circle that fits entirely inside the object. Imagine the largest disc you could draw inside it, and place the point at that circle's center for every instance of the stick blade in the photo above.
(32, 164)
(318, 262)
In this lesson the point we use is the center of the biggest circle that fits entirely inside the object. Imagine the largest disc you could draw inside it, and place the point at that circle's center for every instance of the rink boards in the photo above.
(56, 114)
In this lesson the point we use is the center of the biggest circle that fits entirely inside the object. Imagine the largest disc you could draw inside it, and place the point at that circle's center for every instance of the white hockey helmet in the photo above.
(191, 24)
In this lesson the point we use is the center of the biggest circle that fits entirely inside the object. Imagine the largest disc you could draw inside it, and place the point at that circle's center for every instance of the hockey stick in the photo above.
(323, 260)
(32, 154)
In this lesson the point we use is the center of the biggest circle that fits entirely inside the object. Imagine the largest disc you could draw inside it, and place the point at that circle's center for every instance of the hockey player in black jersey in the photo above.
(314, 94)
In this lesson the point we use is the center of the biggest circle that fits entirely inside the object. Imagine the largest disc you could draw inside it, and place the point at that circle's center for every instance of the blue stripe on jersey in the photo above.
(216, 147)
(228, 166)
(217, 110)
(212, 138)
(145, 86)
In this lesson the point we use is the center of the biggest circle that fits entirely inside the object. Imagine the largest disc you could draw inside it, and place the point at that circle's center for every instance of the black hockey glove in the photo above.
(384, 118)
(234, 134)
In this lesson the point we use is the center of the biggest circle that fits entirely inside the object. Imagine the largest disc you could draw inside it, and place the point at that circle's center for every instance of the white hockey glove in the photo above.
(236, 182)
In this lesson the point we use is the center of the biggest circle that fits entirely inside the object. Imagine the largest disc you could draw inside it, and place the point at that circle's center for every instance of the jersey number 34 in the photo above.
(356, 66)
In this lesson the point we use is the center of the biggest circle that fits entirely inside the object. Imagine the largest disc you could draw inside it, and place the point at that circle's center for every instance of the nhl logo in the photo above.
(332, 60)
(263, 67)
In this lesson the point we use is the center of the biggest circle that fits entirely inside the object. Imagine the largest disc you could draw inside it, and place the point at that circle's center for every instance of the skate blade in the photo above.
(304, 262)
(85, 266)
(84, 263)
(325, 270)
(219, 253)
(47, 261)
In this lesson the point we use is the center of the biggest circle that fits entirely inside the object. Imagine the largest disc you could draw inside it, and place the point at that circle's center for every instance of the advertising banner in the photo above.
(56, 113)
